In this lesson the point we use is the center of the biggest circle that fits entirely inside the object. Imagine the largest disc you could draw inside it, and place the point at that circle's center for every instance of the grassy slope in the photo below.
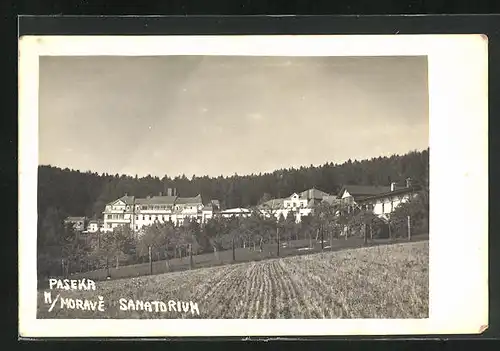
(389, 281)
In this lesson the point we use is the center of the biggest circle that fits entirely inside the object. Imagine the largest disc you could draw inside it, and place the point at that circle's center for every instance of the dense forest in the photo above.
(75, 193)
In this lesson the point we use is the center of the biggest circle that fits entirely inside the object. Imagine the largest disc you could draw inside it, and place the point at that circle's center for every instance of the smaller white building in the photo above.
(235, 212)
(300, 204)
(94, 226)
(78, 223)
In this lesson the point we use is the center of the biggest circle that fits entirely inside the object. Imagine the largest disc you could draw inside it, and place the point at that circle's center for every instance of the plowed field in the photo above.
(379, 282)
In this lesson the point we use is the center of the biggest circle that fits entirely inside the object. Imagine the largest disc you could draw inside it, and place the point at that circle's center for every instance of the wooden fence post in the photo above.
(322, 239)
(409, 228)
(365, 234)
(150, 261)
(107, 266)
(190, 256)
(278, 240)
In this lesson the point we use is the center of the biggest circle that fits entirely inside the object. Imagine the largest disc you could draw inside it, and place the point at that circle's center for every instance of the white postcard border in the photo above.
(458, 112)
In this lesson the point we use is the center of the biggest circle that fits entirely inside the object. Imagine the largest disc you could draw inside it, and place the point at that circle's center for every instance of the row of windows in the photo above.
(155, 207)
(301, 204)
(115, 216)
(152, 217)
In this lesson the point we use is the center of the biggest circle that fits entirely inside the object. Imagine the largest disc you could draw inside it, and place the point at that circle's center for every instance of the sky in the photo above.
(225, 115)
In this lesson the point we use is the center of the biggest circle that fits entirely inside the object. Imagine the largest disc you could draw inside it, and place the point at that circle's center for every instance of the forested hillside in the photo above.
(74, 193)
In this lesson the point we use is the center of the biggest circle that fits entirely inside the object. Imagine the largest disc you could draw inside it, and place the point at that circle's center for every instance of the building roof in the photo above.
(313, 193)
(363, 192)
(397, 191)
(156, 200)
(273, 203)
(189, 200)
(236, 210)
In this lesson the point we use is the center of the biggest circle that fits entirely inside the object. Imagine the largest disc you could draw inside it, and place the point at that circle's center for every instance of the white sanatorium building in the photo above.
(140, 212)
(382, 200)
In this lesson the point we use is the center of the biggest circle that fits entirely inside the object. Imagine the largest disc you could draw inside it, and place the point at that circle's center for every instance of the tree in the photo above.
(290, 226)
(231, 234)
(361, 223)
(156, 238)
(326, 221)
(190, 230)
(307, 226)
(265, 198)
(214, 231)
(74, 249)
(118, 244)
(49, 253)
(280, 225)
(414, 210)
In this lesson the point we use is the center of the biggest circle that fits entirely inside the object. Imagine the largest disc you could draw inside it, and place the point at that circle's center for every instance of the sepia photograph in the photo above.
(233, 186)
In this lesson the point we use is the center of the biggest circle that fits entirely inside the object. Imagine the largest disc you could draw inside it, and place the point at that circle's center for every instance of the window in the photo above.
(109, 216)
(136, 227)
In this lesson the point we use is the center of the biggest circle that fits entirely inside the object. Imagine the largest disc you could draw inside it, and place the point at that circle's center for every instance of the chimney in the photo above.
(393, 186)
(174, 192)
(126, 194)
(160, 194)
(169, 191)
(408, 182)
(148, 197)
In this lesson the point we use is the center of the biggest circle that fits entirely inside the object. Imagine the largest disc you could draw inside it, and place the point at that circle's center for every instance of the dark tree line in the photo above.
(74, 193)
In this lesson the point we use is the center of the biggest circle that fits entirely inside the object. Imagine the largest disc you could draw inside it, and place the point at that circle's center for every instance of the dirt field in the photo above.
(389, 281)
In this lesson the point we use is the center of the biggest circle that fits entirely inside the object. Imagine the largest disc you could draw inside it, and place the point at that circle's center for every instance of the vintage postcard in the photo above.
(253, 185)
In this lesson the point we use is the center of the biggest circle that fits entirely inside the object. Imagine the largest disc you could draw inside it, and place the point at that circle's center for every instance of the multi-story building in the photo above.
(300, 204)
(140, 212)
(382, 200)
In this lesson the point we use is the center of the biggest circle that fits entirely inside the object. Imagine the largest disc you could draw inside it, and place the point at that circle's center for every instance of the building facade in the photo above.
(382, 200)
(299, 204)
(94, 226)
(138, 213)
